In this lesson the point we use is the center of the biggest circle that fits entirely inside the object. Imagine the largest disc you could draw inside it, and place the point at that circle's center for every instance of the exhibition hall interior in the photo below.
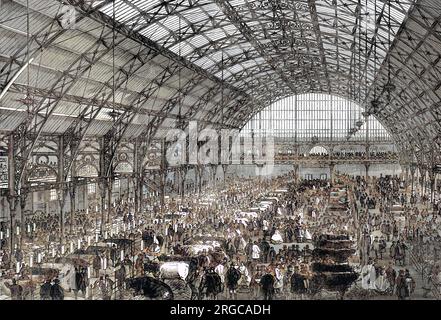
(220, 150)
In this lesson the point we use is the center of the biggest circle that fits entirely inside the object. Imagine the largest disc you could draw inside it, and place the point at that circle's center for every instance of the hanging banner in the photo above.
(4, 172)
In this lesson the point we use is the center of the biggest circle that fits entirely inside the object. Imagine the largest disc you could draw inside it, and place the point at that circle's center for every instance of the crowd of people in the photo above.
(339, 155)
(397, 227)
(277, 241)
(265, 230)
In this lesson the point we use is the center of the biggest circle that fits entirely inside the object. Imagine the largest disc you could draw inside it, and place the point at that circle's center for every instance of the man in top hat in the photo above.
(57, 292)
(376, 247)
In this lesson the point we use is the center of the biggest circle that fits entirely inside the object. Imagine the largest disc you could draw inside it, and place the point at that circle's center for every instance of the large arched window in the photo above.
(315, 116)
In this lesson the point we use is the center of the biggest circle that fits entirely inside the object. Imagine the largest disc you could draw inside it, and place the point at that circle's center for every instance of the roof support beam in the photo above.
(95, 102)
(27, 133)
(235, 19)
(38, 42)
(318, 36)
(135, 36)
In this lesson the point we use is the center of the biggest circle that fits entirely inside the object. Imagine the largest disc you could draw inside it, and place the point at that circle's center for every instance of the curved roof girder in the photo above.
(417, 78)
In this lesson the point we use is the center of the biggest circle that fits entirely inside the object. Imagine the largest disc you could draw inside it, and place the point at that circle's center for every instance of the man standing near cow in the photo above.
(232, 278)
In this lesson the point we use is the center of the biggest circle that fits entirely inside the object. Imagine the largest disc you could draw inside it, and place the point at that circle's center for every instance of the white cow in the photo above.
(174, 270)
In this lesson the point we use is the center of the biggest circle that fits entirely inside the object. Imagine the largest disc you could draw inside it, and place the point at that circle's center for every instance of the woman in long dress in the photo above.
(277, 237)
(381, 283)
(368, 275)
(278, 285)
(245, 278)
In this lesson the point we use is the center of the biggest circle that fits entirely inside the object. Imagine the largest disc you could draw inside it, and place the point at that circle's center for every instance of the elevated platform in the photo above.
(333, 161)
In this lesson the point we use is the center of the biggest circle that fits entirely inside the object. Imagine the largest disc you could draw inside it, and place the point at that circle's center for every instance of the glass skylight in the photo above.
(272, 30)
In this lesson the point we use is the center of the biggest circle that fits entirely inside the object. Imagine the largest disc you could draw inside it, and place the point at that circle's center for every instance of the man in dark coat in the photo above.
(392, 250)
(289, 233)
(298, 286)
(57, 292)
(399, 253)
(114, 254)
(249, 249)
(231, 249)
(192, 279)
(264, 247)
(45, 290)
(5, 260)
(211, 283)
(80, 279)
(96, 265)
(267, 283)
(232, 278)
(271, 255)
(19, 255)
(145, 235)
(401, 286)
(391, 276)
(120, 278)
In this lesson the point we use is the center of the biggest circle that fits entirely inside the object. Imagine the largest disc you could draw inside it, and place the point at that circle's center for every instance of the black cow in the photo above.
(150, 288)
(211, 284)
(152, 267)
